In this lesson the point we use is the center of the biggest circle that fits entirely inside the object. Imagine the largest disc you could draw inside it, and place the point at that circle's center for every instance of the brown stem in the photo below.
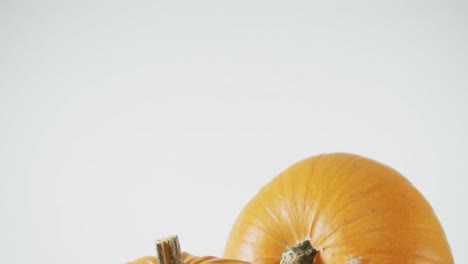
(302, 253)
(168, 250)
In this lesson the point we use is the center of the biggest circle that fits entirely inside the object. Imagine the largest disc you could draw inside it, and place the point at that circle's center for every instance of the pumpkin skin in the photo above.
(353, 210)
(190, 259)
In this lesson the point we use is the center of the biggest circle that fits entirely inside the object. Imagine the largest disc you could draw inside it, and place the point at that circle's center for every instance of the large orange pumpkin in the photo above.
(338, 208)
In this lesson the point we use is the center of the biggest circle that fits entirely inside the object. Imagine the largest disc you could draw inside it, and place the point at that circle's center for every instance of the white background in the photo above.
(125, 121)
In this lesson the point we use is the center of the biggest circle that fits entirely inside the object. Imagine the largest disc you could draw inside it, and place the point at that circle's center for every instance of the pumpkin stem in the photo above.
(168, 250)
(302, 253)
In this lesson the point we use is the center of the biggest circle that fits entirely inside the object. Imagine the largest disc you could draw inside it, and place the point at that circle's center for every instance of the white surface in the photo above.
(106, 107)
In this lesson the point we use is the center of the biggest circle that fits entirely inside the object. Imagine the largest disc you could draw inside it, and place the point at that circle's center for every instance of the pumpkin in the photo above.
(338, 208)
(188, 258)
(145, 260)
(168, 252)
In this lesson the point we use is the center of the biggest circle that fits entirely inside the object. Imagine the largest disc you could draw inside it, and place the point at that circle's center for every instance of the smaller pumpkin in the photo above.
(168, 250)
(187, 258)
(145, 260)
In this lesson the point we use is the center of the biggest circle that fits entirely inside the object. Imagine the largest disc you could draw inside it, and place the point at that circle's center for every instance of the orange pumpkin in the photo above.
(191, 259)
(338, 208)
(145, 260)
